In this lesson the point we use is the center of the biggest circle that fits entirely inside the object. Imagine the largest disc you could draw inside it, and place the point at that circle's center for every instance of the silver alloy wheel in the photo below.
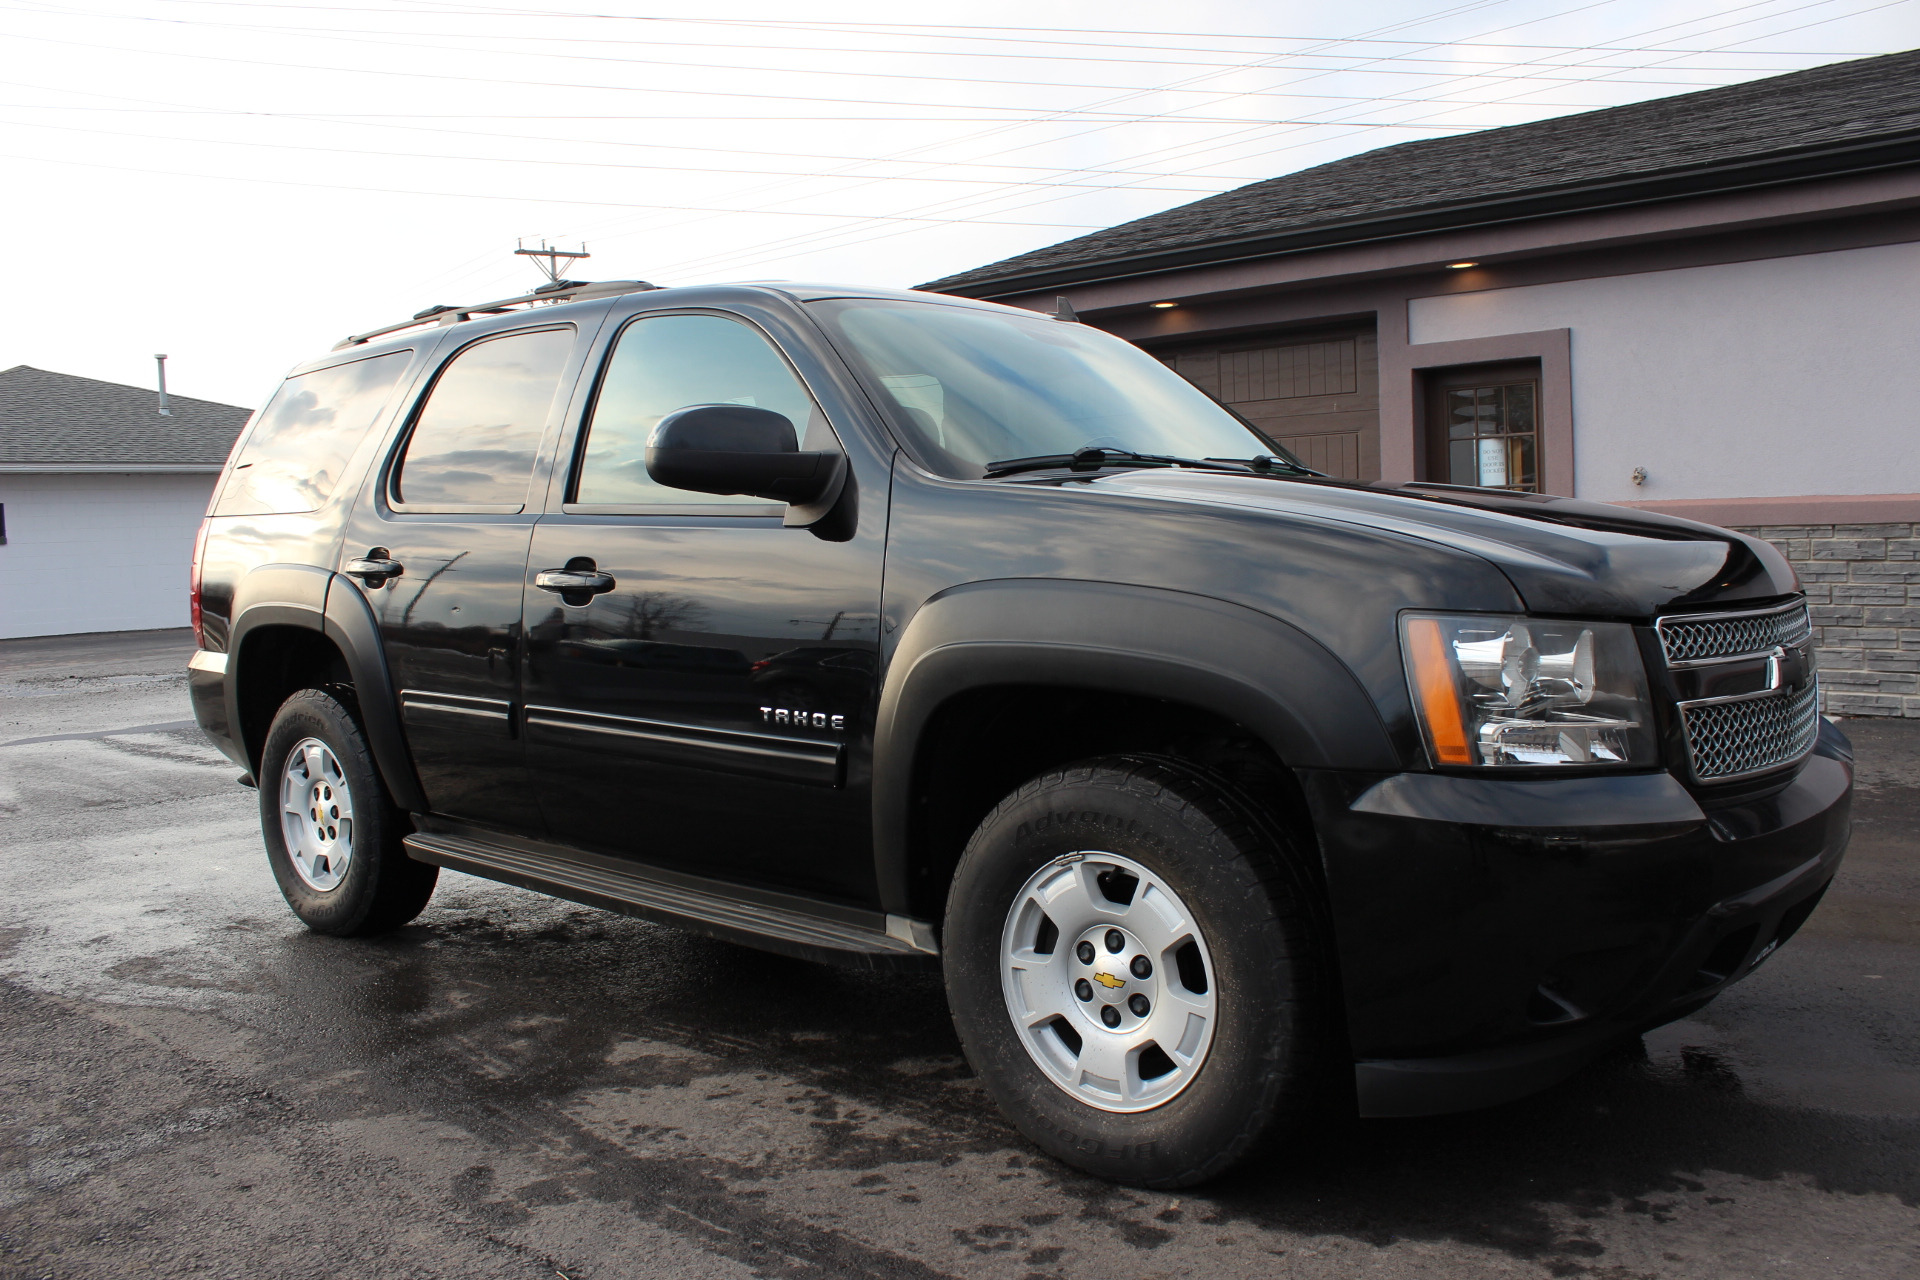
(1108, 981)
(316, 814)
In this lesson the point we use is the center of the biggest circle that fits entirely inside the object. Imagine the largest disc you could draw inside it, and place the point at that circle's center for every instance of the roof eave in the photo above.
(1776, 169)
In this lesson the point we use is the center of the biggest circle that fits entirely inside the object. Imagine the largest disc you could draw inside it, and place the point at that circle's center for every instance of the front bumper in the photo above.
(1495, 935)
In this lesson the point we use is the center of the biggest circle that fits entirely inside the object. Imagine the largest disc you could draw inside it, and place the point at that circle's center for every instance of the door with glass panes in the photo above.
(696, 711)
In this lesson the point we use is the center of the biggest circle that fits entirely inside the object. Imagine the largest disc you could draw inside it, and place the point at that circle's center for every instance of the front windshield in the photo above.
(973, 387)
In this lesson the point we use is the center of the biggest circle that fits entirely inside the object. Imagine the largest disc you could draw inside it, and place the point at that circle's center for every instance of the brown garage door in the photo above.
(1315, 395)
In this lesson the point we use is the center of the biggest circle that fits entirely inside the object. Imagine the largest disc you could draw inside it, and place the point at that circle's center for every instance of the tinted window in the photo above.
(474, 440)
(303, 438)
(664, 363)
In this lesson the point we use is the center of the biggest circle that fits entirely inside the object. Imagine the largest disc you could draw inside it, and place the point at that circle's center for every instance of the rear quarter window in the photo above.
(301, 443)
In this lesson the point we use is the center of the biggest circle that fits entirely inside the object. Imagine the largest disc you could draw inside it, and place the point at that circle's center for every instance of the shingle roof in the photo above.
(1841, 117)
(57, 418)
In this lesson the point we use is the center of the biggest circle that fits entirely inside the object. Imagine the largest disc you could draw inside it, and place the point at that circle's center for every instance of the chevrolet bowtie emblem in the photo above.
(1108, 981)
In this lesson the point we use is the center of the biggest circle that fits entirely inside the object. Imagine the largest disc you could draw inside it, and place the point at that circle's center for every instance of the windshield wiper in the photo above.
(1093, 458)
(1265, 464)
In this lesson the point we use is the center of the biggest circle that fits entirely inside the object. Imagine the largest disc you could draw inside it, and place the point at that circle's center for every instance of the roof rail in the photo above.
(556, 291)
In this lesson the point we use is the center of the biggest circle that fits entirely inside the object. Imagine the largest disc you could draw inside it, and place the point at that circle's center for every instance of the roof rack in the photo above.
(556, 291)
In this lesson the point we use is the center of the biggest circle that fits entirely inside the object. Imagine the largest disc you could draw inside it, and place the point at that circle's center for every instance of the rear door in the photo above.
(702, 712)
(438, 544)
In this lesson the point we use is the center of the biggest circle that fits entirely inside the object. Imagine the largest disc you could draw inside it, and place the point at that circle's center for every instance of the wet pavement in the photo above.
(191, 1084)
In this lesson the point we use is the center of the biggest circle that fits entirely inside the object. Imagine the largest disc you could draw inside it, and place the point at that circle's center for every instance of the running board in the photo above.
(773, 922)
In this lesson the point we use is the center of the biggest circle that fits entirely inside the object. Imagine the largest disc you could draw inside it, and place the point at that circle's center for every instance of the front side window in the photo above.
(973, 387)
(475, 439)
(664, 363)
(301, 442)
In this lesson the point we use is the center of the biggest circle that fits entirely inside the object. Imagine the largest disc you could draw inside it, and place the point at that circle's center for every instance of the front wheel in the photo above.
(1133, 973)
(333, 837)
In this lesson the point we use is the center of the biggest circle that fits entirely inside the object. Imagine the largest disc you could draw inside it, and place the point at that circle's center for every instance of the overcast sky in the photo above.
(240, 184)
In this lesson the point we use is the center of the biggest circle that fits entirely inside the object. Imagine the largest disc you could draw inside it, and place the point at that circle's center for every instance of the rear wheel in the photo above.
(1133, 972)
(333, 836)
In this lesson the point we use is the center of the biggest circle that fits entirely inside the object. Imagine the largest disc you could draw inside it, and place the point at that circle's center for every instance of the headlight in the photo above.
(1527, 691)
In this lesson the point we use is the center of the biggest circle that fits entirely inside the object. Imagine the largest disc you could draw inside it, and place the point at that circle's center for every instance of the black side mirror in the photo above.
(738, 448)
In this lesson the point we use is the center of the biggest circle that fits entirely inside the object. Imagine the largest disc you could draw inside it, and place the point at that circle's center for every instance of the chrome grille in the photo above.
(1732, 737)
(1728, 739)
(1689, 639)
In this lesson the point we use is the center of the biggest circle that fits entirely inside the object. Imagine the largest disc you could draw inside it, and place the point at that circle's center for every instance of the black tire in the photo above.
(383, 888)
(1270, 1068)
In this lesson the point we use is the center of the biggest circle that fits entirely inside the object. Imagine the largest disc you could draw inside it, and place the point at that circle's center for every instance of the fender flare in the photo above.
(1233, 661)
(303, 596)
(350, 624)
(270, 595)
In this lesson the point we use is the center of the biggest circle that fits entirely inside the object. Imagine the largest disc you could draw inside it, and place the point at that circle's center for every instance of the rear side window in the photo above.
(475, 439)
(304, 437)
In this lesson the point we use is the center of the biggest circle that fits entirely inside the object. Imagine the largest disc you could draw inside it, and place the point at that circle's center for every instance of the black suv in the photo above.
(898, 630)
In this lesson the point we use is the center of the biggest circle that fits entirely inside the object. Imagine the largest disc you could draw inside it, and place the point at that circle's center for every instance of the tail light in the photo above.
(193, 588)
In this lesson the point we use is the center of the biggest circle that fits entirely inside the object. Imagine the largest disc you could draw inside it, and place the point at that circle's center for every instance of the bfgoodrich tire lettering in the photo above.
(315, 758)
(1264, 1072)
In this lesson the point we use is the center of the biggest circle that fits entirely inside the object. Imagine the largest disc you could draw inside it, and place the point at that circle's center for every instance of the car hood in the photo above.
(1562, 555)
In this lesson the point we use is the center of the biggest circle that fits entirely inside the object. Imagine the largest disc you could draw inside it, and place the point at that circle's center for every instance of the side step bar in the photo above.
(773, 922)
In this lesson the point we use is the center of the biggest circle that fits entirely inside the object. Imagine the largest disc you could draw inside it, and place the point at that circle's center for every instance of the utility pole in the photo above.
(166, 410)
(550, 268)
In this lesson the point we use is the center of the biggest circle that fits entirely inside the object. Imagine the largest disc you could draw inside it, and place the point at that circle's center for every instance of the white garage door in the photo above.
(97, 552)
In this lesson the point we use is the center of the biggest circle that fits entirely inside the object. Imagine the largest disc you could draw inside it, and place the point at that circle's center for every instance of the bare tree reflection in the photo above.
(649, 613)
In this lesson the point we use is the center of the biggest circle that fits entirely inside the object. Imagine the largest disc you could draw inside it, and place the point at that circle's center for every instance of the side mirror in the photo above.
(738, 448)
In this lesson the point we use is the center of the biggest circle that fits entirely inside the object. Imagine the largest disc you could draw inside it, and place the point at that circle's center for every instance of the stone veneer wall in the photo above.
(1863, 585)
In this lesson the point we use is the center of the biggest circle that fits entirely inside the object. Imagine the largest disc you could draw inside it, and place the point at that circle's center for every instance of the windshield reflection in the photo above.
(971, 386)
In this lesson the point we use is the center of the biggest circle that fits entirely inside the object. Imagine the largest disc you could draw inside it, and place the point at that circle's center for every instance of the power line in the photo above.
(837, 73)
(1212, 145)
(1205, 148)
(1477, 4)
(1007, 190)
(577, 164)
(736, 259)
(351, 35)
(938, 27)
(470, 195)
(151, 106)
(1056, 112)
(933, 30)
(792, 242)
(1472, 6)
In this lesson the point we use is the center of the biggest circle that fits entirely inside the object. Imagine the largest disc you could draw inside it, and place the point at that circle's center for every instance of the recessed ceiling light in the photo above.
(1461, 266)
(1162, 306)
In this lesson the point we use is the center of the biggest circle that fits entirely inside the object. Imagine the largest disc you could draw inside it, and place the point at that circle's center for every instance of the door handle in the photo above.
(571, 582)
(374, 570)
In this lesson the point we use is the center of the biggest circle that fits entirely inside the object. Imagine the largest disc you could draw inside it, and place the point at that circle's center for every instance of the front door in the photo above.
(699, 712)
(440, 545)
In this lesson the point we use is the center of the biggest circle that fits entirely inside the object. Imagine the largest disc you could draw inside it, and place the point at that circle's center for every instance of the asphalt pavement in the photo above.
(192, 1084)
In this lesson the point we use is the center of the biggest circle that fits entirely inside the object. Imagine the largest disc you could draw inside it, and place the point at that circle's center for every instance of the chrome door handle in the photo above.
(569, 582)
(374, 572)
